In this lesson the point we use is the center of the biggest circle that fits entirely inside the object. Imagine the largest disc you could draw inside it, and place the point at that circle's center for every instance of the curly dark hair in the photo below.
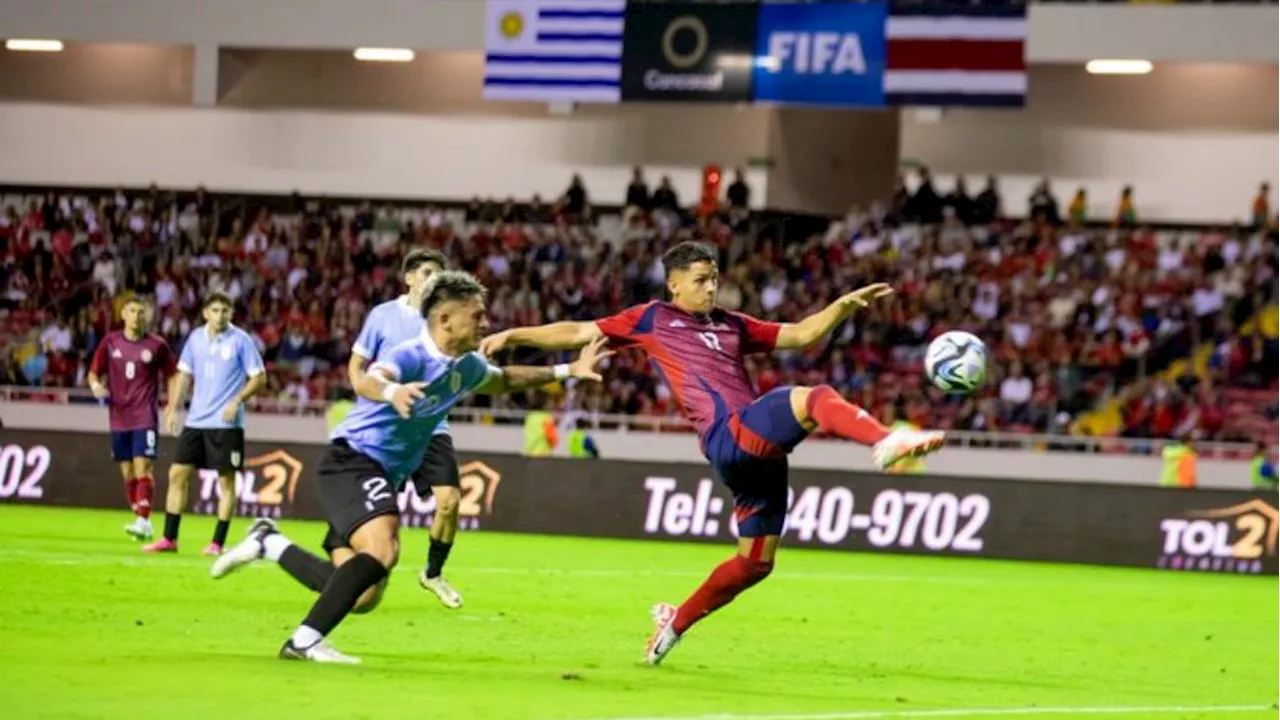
(450, 285)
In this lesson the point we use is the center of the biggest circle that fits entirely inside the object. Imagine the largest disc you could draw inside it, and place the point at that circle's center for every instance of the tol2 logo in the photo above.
(479, 485)
(1231, 539)
(818, 53)
(264, 487)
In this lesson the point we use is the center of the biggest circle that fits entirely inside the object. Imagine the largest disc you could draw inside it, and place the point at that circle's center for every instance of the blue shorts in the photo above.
(748, 450)
(129, 444)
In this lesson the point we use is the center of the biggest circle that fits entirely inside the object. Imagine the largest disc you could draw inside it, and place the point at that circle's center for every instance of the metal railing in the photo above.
(611, 423)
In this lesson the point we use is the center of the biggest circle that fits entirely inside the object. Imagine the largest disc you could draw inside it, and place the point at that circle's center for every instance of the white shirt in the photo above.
(56, 339)
(166, 293)
(1206, 301)
(771, 296)
(296, 276)
(1016, 390)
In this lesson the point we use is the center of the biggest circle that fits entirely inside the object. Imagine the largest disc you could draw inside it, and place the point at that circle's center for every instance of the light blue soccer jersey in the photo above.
(388, 325)
(219, 367)
(375, 429)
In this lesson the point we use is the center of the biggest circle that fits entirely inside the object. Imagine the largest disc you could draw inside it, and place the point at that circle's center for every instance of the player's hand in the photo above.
(405, 396)
(170, 426)
(584, 367)
(494, 343)
(229, 412)
(863, 296)
(99, 391)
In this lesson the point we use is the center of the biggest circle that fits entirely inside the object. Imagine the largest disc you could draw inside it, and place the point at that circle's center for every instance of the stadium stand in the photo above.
(1165, 326)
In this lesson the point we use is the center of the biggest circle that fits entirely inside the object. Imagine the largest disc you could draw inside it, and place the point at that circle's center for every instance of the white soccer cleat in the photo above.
(245, 552)
(321, 652)
(904, 443)
(139, 529)
(664, 636)
(448, 596)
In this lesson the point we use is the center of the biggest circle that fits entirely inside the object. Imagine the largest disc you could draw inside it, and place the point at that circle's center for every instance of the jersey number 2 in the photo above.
(711, 340)
(375, 489)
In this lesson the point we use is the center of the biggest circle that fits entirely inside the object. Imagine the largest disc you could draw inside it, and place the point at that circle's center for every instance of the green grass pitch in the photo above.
(554, 628)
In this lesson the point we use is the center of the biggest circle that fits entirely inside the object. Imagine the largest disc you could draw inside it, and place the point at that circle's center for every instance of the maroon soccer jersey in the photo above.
(134, 371)
(701, 358)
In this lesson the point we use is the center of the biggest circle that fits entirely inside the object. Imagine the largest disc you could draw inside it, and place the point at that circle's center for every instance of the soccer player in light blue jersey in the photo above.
(227, 370)
(379, 446)
(388, 325)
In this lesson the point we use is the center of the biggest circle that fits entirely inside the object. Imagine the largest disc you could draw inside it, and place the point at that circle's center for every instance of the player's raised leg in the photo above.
(439, 471)
(822, 407)
(265, 541)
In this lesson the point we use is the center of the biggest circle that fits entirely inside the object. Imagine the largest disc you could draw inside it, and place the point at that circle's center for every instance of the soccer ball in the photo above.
(956, 362)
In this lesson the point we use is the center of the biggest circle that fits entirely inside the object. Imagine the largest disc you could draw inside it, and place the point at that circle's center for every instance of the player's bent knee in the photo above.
(369, 601)
(447, 500)
(759, 569)
(385, 550)
(800, 397)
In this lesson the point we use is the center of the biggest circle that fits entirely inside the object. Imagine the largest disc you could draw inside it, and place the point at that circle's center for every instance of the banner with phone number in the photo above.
(1220, 531)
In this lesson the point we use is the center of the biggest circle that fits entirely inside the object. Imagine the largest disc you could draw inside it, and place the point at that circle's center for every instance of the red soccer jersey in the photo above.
(700, 358)
(134, 370)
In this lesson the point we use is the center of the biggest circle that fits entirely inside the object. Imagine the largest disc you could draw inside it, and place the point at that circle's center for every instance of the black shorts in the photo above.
(354, 489)
(214, 449)
(439, 469)
(439, 466)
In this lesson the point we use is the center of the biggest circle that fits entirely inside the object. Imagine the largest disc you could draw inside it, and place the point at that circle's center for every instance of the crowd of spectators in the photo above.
(1069, 312)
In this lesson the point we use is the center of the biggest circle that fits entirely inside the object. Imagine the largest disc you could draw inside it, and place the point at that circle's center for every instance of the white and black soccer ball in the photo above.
(956, 362)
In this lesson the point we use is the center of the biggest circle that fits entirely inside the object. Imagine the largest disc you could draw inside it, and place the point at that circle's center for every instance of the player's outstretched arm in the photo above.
(555, 336)
(514, 378)
(807, 332)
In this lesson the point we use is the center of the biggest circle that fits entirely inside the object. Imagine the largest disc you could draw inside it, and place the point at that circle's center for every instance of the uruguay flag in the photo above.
(553, 50)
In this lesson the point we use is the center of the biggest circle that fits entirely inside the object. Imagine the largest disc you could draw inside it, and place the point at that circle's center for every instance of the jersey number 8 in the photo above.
(711, 340)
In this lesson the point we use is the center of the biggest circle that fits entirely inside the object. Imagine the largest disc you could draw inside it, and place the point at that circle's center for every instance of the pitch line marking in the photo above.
(965, 712)
(69, 558)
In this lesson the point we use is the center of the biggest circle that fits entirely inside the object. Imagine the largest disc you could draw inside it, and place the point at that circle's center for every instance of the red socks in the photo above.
(140, 492)
(836, 415)
(726, 582)
(131, 493)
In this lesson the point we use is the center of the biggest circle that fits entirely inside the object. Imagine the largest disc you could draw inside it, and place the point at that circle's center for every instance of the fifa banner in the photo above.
(1233, 532)
(842, 54)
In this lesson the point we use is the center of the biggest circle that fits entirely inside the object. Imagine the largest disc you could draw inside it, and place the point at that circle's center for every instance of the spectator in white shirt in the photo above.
(1016, 391)
(1206, 300)
(56, 338)
(166, 293)
(105, 272)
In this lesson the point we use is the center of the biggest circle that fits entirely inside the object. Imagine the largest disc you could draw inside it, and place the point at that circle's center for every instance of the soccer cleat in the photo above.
(448, 596)
(213, 549)
(244, 552)
(163, 545)
(321, 652)
(903, 443)
(664, 635)
(139, 529)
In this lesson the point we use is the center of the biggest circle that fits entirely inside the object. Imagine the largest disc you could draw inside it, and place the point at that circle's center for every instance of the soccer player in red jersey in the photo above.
(134, 362)
(699, 350)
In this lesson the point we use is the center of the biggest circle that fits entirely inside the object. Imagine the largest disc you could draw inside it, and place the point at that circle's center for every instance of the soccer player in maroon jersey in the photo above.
(134, 363)
(699, 349)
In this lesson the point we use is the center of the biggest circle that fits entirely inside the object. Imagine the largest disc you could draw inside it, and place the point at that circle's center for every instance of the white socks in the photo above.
(304, 637)
(273, 546)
